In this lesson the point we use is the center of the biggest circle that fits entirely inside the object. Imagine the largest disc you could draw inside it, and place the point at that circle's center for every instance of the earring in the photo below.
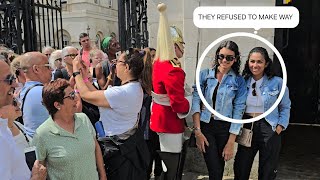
(58, 109)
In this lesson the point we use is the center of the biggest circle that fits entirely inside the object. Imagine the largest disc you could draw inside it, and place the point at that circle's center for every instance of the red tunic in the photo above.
(168, 78)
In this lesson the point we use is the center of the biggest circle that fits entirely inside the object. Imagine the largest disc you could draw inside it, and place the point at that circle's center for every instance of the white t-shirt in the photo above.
(255, 103)
(12, 160)
(125, 102)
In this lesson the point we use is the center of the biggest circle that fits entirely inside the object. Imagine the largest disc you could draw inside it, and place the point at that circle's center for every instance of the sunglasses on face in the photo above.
(45, 65)
(17, 72)
(47, 55)
(254, 93)
(118, 61)
(227, 57)
(9, 79)
(71, 96)
(71, 55)
(15, 102)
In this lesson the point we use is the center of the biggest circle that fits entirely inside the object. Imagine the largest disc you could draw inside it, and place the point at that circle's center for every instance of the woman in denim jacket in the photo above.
(225, 90)
(263, 91)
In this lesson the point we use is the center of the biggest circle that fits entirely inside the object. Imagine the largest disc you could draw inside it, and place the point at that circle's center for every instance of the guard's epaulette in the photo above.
(175, 63)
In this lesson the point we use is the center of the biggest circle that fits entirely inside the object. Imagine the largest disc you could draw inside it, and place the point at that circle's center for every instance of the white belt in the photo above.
(163, 99)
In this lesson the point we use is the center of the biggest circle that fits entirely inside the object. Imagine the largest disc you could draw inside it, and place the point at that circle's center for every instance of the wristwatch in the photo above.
(74, 74)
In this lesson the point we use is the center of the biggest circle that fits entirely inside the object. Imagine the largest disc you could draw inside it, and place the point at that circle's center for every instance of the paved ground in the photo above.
(299, 157)
(300, 154)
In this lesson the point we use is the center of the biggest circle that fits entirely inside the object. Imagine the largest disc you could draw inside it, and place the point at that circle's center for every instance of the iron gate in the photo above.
(133, 23)
(28, 25)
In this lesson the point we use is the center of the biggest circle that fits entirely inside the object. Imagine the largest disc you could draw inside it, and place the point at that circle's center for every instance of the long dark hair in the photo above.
(233, 47)
(268, 70)
(140, 64)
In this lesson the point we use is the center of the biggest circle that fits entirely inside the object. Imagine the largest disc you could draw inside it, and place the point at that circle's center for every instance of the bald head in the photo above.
(36, 67)
(32, 58)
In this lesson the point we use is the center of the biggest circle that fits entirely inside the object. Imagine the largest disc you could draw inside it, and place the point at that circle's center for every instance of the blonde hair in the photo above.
(55, 55)
(15, 64)
(94, 52)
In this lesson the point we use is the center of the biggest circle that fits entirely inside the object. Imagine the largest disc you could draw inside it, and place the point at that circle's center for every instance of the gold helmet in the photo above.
(177, 37)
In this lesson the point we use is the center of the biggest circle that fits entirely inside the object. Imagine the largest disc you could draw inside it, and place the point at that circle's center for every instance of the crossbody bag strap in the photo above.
(22, 131)
(251, 126)
(25, 95)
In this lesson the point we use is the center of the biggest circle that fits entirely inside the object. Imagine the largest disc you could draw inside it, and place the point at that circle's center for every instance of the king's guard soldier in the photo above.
(170, 104)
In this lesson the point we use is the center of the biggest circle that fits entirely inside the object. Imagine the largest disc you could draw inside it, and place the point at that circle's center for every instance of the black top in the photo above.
(215, 92)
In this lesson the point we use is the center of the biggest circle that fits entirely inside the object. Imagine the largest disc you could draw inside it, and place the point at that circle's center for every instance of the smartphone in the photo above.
(31, 156)
(118, 54)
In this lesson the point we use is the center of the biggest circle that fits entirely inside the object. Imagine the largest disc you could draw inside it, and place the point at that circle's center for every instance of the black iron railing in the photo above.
(133, 23)
(28, 25)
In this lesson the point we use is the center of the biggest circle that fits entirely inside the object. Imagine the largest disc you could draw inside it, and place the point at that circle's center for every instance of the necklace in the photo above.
(129, 81)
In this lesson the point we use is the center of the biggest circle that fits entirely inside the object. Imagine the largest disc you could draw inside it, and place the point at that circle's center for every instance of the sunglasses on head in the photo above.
(254, 93)
(72, 95)
(9, 79)
(227, 57)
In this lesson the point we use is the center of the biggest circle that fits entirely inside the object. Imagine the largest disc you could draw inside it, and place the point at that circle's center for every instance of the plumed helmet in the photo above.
(177, 37)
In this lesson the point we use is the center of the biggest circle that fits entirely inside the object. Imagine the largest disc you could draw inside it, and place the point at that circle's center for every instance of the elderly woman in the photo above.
(126, 153)
(96, 57)
(58, 138)
(55, 61)
(47, 50)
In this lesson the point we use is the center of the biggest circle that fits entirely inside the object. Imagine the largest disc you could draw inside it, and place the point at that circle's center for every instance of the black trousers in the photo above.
(154, 145)
(128, 161)
(217, 134)
(268, 143)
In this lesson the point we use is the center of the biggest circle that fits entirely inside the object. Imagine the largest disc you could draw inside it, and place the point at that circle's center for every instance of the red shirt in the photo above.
(167, 78)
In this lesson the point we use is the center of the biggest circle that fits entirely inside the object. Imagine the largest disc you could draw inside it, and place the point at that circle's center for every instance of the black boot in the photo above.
(182, 160)
(171, 160)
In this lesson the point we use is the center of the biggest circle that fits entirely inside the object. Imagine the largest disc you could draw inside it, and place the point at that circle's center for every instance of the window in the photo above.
(109, 3)
(98, 41)
(66, 40)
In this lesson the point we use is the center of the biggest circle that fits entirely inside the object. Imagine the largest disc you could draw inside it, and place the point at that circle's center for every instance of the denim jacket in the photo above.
(230, 100)
(270, 90)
